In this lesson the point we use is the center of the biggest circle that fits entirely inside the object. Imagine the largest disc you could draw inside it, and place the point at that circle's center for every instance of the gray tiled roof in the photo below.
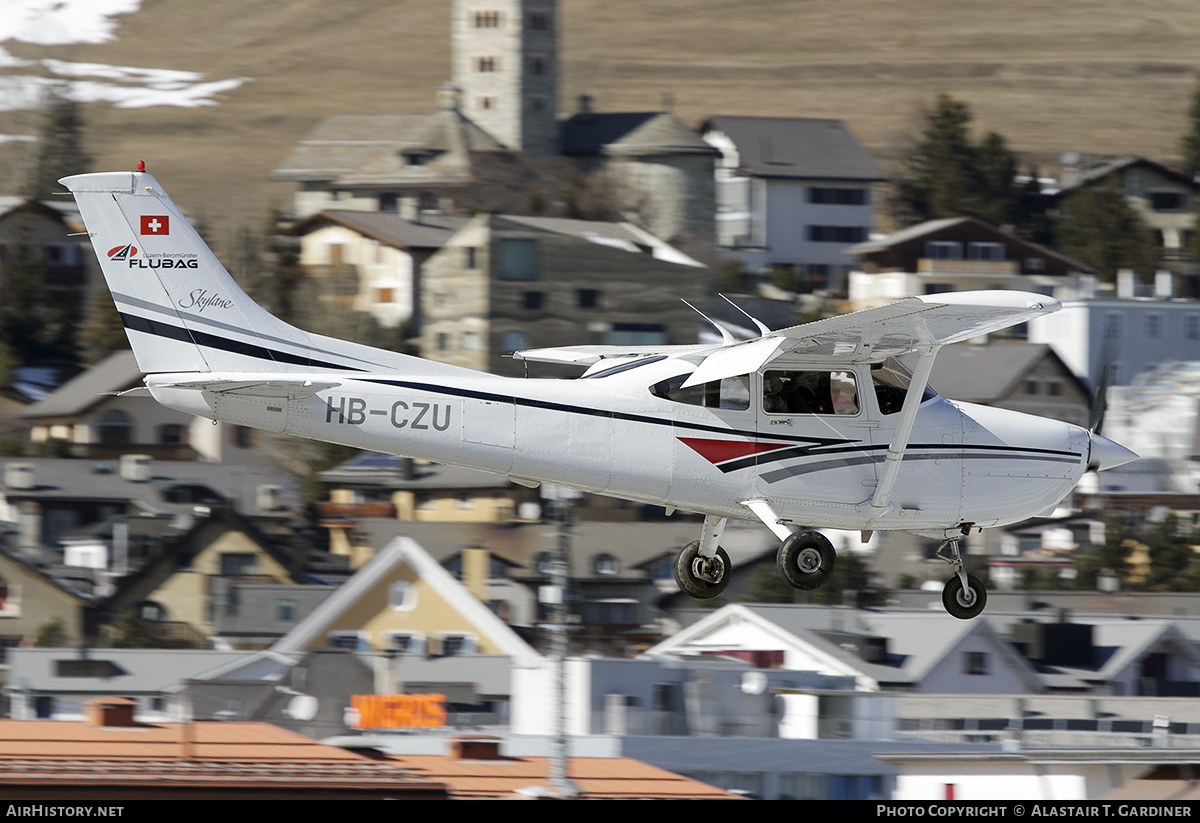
(115, 373)
(430, 232)
(797, 147)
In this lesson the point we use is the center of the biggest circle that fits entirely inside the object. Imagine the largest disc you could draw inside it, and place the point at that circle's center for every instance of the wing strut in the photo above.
(904, 426)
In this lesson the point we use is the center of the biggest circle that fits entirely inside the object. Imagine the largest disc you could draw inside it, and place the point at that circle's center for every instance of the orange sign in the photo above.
(398, 711)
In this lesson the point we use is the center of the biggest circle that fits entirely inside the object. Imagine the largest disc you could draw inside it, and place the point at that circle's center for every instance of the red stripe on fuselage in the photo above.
(718, 451)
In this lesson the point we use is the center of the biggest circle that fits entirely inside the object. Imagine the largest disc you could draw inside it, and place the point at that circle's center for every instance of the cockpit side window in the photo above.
(810, 392)
(730, 393)
(891, 380)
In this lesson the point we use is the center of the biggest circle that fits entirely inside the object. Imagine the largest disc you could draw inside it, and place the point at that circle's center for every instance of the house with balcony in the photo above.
(954, 254)
(792, 194)
(1164, 199)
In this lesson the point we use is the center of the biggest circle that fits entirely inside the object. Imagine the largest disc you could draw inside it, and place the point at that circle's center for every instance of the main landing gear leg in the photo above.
(964, 596)
(702, 568)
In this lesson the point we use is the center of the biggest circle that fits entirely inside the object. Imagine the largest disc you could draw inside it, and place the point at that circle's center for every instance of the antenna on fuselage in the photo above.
(727, 339)
(763, 331)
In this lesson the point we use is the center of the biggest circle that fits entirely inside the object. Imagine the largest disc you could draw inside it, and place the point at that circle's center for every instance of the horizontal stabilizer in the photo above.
(273, 387)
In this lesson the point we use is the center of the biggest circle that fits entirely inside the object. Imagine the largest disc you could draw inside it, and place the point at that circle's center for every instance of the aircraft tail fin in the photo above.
(181, 309)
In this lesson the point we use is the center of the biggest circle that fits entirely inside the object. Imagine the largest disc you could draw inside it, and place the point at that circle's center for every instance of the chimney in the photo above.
(1164, 285)
(19, 476)
(475, 747)
(110, 712)
(135, 467)
(1126, 284)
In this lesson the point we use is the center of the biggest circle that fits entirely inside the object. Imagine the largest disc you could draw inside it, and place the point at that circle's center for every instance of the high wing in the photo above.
(863, 336)
(870, 335)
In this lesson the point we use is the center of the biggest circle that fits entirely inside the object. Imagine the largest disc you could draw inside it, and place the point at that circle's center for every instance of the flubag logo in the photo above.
(122, 252)
(156, 224)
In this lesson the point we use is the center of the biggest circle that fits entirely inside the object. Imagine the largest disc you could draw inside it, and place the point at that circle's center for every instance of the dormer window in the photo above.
(416, 158)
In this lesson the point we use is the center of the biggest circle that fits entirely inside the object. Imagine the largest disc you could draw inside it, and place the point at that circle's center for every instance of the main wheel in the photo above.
(701, 577)
(964, 603)
(806, 559)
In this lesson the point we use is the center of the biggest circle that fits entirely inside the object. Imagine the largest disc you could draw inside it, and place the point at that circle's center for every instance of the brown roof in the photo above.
(144, 760)
(595, 777)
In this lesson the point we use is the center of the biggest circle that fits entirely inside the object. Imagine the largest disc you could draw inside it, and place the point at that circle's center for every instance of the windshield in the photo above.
(892, 379)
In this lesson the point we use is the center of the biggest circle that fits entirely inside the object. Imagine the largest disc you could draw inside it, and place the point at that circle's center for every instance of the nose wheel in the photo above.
(806, 559)
(964, 595)
(700, 576)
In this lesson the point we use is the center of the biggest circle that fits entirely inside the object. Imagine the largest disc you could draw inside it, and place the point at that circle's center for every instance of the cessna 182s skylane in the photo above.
(816, 425)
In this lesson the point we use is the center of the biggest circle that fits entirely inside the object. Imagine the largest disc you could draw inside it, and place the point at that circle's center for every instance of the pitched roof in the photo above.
(129, 671)
(165, 760)
(370, 149)
(1095, 172)
(798, 147)
(931, 228)
(115, 373)
(430, 232)
(400, 552)
(990, 372)
(596, 778)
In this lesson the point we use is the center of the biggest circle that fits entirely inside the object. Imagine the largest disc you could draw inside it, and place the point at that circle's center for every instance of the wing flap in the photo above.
(590, 355)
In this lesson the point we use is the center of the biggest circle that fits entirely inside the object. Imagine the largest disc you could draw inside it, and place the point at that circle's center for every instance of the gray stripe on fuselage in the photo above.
(810, 468)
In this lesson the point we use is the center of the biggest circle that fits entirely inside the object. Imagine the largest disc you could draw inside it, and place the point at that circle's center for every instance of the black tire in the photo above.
(699, 577)
(961, 605)
(806, 559)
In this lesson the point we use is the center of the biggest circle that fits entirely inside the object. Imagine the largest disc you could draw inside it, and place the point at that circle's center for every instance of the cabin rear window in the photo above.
(730, 393)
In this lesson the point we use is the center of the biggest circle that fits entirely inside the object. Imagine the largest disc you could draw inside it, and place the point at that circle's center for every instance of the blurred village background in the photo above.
(163, 570)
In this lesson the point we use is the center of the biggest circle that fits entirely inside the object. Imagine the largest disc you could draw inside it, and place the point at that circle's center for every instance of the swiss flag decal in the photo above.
(156, 224)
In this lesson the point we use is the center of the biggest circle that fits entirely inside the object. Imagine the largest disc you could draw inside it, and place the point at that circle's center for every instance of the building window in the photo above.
(402, 596)
(116, 428)
(243, 437)
(1192, 327)
(285, 610)
(537, 65)
(512, 341)
(487, 20)
(985, 251)
(470, 341)
(836, 234)
(172, 434)
(1167, 201)
(406, 642)
(351, 641)
(605, 564)
(472, 257)
(453, 643)
(1112, 325)
(589, 298)
(234, 564)
(830, 196)
(443, 341)
(943, 250)
(487, 101)
(637, 334)
(1154, 324)
(975, 663)
(487, 64)
(1031, 387)
(517, 260)
(539, 21)
(532, 300)
(385, 295)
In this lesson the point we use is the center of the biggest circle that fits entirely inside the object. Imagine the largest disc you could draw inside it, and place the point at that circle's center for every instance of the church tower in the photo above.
(506, 64)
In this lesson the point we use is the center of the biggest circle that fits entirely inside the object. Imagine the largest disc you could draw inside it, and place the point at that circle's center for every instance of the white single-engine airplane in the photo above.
(814, 425)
